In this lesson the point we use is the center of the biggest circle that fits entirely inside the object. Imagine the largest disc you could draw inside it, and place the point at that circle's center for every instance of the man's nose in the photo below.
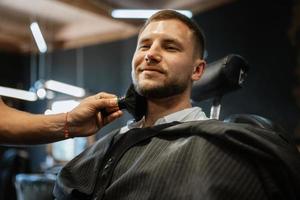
(152, 58)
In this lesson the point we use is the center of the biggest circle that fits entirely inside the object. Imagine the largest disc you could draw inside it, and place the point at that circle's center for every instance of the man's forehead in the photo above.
(166, 28)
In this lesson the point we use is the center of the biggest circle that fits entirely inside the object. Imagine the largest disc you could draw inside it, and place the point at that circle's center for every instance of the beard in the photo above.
(167, 89)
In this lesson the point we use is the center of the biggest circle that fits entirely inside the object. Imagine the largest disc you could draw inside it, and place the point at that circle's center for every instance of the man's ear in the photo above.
(198, 69)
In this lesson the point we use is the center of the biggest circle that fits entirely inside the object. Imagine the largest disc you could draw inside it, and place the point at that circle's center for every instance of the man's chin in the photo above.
(149, 85)
(158, 91)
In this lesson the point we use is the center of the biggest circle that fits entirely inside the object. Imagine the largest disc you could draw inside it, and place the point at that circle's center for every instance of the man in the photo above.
(17, 127)
(173, 152)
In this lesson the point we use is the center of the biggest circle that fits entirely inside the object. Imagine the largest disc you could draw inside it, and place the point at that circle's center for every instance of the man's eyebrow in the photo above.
(164, 40)
(143, 40)
(173, 41)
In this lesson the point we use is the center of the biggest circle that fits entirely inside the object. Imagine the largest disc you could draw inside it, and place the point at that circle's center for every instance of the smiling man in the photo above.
(168, 58)
(174, 151)
(161, 55)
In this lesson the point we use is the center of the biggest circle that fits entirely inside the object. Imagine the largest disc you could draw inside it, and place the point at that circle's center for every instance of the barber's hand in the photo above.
(86, 119)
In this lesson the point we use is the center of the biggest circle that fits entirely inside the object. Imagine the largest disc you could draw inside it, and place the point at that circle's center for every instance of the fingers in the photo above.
(112, 109)
(104, 103)
(104, 95)
(111, 117)
(104, 100)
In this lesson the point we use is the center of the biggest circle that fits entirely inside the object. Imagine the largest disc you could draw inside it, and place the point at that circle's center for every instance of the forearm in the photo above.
(17, 127)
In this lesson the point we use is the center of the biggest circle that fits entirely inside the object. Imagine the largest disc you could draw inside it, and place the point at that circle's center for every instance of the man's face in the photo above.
(163, 62)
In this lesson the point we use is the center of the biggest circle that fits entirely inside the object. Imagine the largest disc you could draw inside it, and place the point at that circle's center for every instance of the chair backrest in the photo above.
(226, 75)
(220, 77)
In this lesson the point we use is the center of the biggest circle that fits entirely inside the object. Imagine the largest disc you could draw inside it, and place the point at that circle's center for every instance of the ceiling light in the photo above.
(141, 14)
(38, 37)
(65, 88)
(19, 94)
(41, 93)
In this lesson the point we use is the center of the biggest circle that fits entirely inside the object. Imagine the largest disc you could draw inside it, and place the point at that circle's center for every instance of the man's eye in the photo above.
(144, 47)
(171, 48)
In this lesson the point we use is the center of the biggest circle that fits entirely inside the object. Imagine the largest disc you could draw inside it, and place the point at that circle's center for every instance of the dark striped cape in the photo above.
(192, 160)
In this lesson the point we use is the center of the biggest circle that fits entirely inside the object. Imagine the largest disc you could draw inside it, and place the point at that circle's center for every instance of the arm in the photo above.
(17, 127)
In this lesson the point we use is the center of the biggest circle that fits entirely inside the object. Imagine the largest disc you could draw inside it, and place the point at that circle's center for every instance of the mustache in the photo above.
(152, 68)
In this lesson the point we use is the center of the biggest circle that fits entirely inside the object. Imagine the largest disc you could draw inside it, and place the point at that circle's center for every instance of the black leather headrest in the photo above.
(221, 77)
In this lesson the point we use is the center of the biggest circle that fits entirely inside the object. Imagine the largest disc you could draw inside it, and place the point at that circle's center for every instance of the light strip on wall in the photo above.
(65, 88)
(19, 94)
(38, 37)
(141, 14)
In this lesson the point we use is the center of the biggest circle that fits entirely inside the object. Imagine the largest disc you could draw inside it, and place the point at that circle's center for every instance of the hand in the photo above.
(86, 119)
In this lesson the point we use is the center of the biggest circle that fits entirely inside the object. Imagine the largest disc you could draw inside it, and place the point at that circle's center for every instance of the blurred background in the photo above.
(85, 46)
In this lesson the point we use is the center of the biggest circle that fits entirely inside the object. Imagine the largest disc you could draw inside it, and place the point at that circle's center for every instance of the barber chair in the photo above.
(35, 186)
(221, 77)
(12, 162)
(227, 75)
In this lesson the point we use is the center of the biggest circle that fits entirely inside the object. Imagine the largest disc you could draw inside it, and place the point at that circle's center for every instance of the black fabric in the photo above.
(117, 150)
(234, 161)
(134, 103)
(79, 176)
(257, 120)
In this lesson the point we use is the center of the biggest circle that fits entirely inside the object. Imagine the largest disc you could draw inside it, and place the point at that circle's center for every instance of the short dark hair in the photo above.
(167, 14)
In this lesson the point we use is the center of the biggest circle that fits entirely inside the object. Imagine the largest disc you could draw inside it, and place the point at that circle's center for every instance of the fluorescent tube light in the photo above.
(38, 37)
(65, 88)
(141, 14)
(19, 94)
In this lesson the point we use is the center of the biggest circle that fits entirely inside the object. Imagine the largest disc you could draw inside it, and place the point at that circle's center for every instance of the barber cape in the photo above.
(192, 160)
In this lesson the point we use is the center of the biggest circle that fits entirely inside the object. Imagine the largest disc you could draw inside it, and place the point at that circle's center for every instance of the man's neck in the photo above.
(158, 108)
